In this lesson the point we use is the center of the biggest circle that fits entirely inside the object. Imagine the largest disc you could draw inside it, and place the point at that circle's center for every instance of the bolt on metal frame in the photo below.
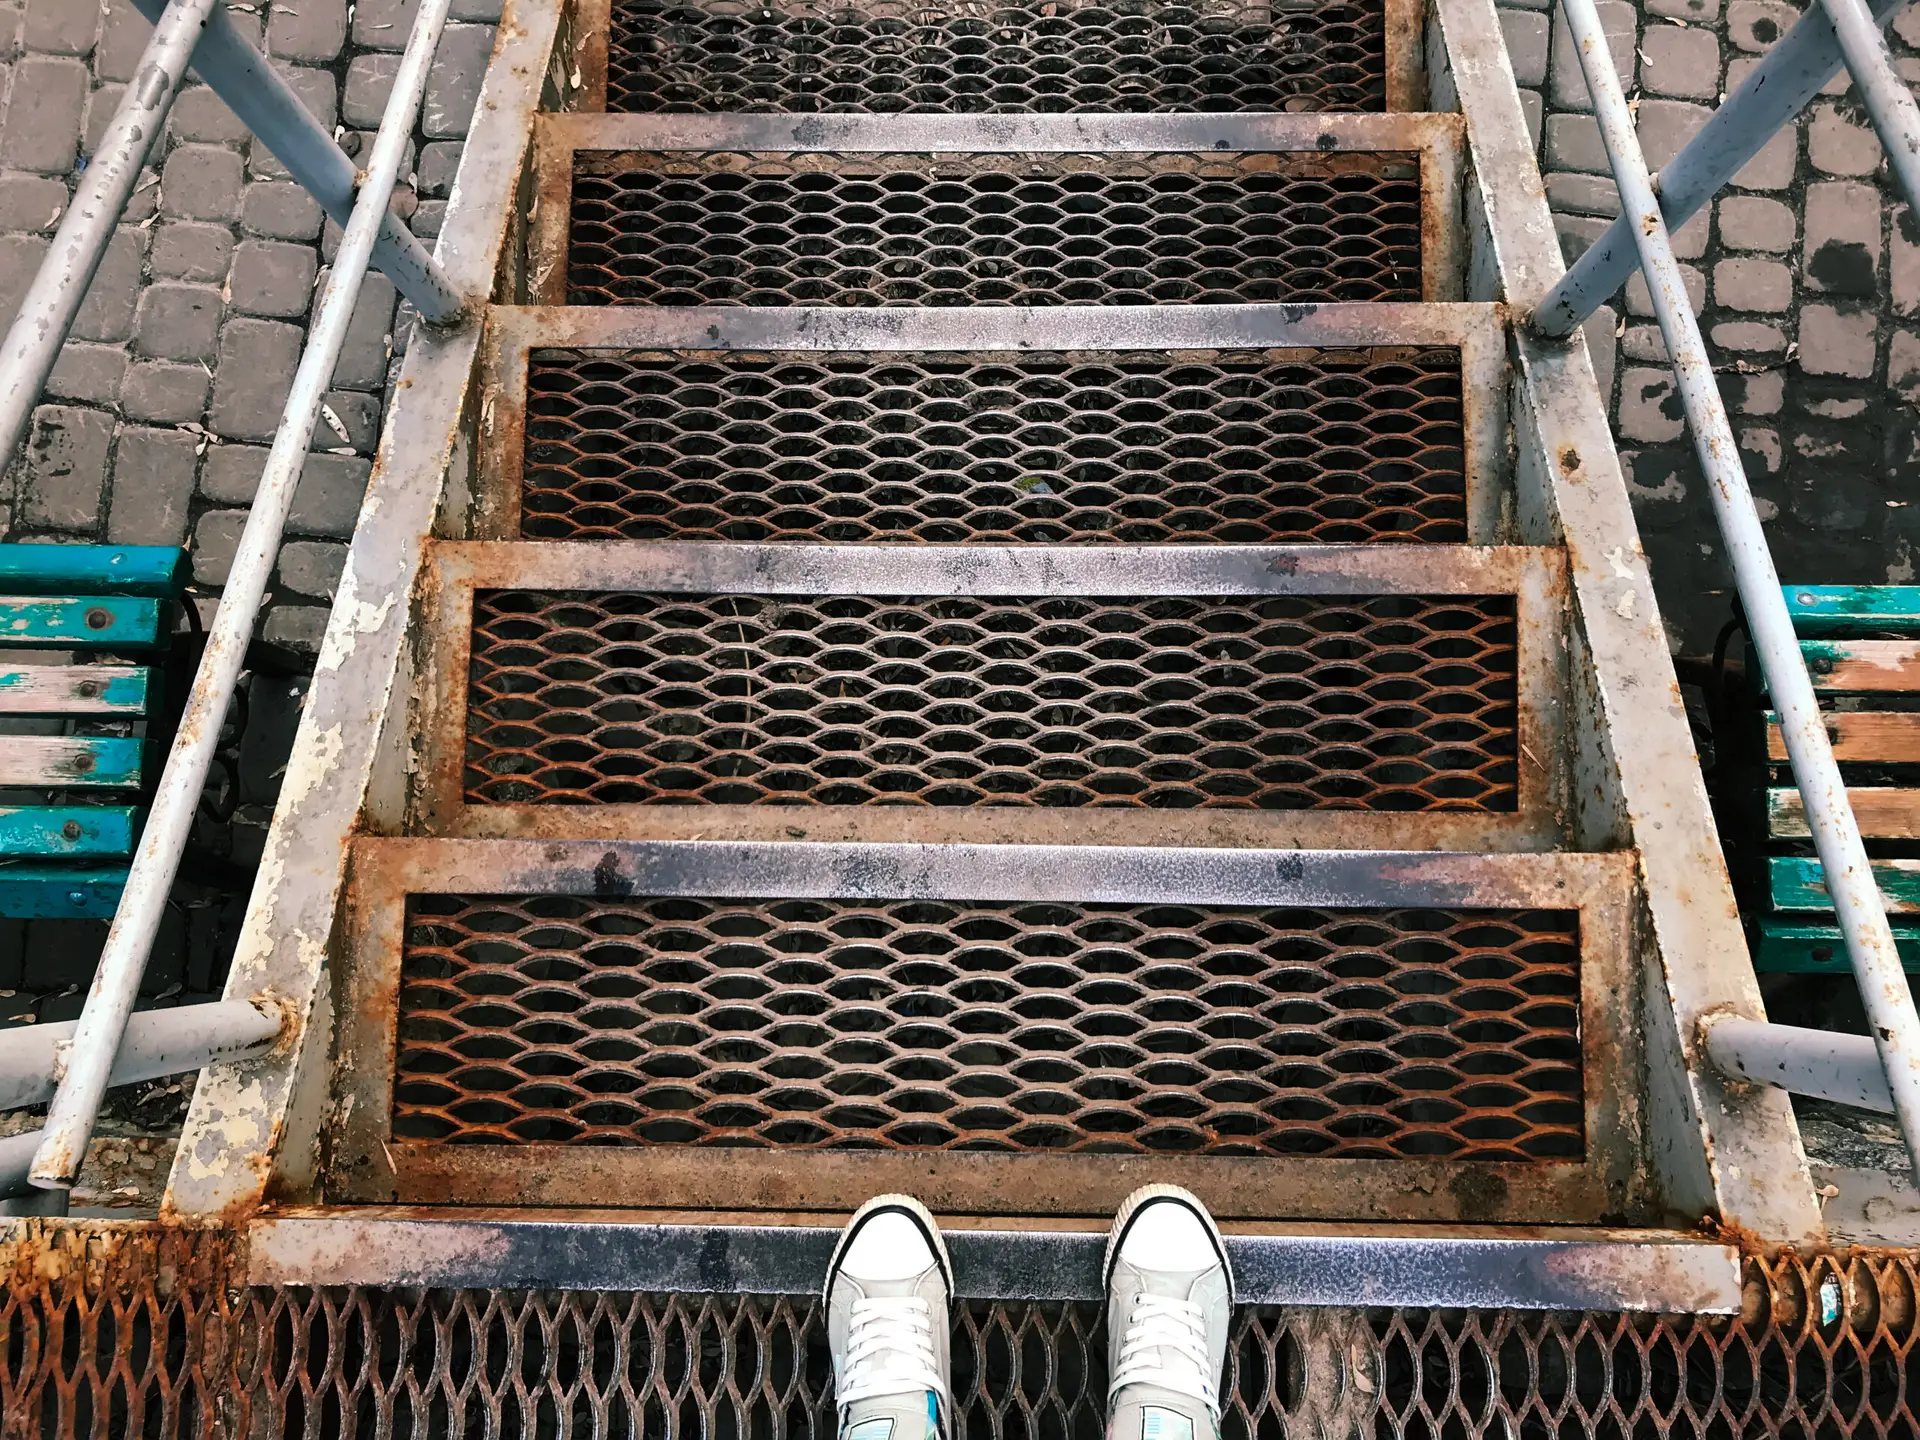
(1836, 835)
(103, 1022)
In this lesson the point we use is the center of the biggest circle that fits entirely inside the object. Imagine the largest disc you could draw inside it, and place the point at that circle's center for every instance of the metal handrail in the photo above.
(1889, 1005)
(371, 232)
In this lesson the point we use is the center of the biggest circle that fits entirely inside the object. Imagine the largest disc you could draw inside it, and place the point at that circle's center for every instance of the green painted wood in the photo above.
(1796, 882)
(1795, 947)
(83, 622)
(72, 762)
(68, 831)
(117, 690)
(1854, 609)
(159, 571)
(39, 891)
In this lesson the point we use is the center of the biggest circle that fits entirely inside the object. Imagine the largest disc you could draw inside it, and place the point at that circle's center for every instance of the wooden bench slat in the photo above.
(1849, 609)
(1891, 737)
(1796, 882)
(1863, 667)
(100, 831)
(1885, 812)
(121, 690)
(1795, 947)
(65, 762)
(81, 622)
(159, 571)
(30, 891)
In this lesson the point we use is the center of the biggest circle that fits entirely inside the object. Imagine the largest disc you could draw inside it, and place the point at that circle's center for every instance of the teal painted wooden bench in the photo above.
(107, 605)
(1862, 648)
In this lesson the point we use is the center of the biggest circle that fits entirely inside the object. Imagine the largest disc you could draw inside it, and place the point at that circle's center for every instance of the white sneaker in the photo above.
(1169, 1309)
(889, 1288)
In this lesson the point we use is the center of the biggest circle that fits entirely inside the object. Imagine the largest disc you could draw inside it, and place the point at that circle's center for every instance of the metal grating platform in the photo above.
(943, 1025)
(721, 228)
(1043, 55)
(1120, 447)
(1395, 702)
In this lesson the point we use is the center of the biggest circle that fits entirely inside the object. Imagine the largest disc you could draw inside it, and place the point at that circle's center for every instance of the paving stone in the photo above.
(432, 214)
(363, 355)
(1573, 143)
(1526, 35)
(1681, 62)
(1761, 286)
(41, 131)
(1754, 25)
(1772, 168)
(152, 487)
(1569, 88)
(453, 84)
(178, 321)
(1903, 365)
(1904, 263)
(61, 27)
(107, 312)
(1842, 251)
(383, 24)
(312, 567)
(216, 539)
(1533, 109)
(1690, 240)
(1694, 12)
(307, 29)
(199, 114)
(20, 257)
(1644, 343)
(123, 40)
(1576, 233)
(165, 391)
(272, 277)
(319, 92)
(1650, 406)
(88, 373)
(326, 502)
(1666, 126)
(358, 414)
(1762, 393)
(1749, 337)
(1598, 332)
(1640, 303)
(369, 81)
(439, 163)
(257, 361)
(1583, 194)
(280, 210)
(1906, 24)
(298, 627)
(201, 182)
(1750, 222)
(1760, 450)
(487, 10)
(1841, 141)
(65, 468)
(229, 474)
(190, 250)
(1836, 341)
(31, 202)
(101, 103)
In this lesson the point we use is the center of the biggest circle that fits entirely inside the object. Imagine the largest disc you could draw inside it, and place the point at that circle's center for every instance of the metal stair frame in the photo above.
(1729, 1152)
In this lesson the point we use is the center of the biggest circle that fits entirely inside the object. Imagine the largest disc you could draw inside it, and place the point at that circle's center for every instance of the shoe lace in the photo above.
(1166, 1345)
(890, 1350)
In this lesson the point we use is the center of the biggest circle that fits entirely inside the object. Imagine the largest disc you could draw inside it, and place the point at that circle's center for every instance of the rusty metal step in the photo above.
(1041, 210)
(1034, 1030)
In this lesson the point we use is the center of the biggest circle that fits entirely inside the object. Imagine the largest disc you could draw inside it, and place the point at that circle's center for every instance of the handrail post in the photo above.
(109, 1003)
(1836, 835)
(54, 298)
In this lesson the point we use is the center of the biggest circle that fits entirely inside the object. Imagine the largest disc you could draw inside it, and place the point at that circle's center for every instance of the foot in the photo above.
(889, 1285)
(1169, 1305)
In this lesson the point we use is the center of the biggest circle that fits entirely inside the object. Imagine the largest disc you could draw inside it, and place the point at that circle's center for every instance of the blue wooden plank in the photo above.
(1794, 947)
(64, 762)
(121, 691)
(82, 622)
(68, 831)
(30, 891)
(1796, 882)
(1854, 609)
(159, 571)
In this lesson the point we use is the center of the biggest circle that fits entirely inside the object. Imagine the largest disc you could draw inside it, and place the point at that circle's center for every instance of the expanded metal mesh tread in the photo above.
(954, 1025)
(820, 229)
(171, 1341)
(1042, 55)
(1246, 447)
(1393, 703)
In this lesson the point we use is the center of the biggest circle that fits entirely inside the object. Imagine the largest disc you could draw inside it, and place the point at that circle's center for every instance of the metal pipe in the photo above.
(1789, 76)
(110, 1000)
(157, 1042)
(1856, 898)
(1823, 1063)
(1887, 98)
(267, 106)
(54, 298)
